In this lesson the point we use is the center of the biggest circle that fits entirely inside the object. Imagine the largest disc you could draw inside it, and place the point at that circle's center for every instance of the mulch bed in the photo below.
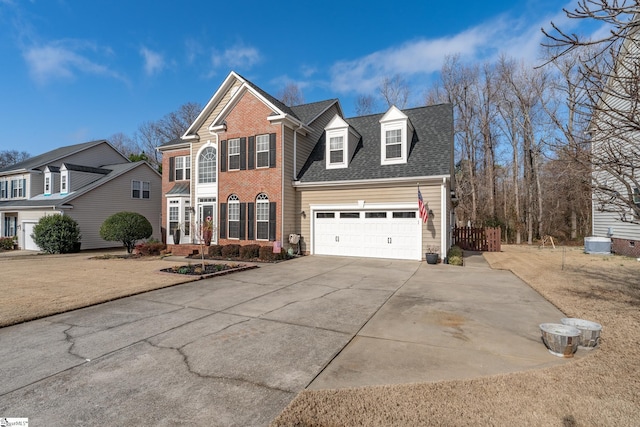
(209, 270)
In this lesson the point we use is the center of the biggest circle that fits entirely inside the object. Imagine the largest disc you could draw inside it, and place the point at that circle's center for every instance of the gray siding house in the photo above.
(88, 182)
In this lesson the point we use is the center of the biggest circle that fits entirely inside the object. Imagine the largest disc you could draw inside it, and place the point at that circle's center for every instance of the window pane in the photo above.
(234, 229)
(325, 215)
(262, 143)
(234, 211)
(336, 143)
(394, 151)
(349, 214)
(234, 146)
(336, 156)
(146, 189)
(375, 215)
(263, 159)
(394, 136)
(404, 214)
(263, 231)
(206, 166)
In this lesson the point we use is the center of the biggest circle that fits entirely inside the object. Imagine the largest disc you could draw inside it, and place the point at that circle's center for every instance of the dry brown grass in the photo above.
(41, 285)
(602, 389)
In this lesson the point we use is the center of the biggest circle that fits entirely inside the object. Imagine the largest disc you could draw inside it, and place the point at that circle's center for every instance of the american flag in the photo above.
(423, 209)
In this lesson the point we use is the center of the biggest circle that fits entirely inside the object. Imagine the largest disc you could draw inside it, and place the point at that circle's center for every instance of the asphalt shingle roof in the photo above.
(308, 112)
(430, 151)
(41, 160)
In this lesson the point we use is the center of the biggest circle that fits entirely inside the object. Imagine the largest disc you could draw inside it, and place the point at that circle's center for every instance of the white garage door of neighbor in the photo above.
(376, 234)
(29, 244)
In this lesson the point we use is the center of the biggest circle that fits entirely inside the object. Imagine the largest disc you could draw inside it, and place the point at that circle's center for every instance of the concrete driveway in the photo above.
(236, 349)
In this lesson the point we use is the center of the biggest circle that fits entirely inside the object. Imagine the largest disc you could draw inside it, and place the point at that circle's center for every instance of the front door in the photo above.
(207, 209)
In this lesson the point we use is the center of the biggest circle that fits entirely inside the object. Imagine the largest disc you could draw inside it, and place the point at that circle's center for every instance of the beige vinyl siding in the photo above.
(96, 156)
(291, 223)
(431, 234)
(91, 209)
(30, 216)
(35, 184)
(78, 179)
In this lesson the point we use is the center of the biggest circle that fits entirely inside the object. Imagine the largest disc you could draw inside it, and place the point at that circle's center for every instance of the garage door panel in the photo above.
(382, 236)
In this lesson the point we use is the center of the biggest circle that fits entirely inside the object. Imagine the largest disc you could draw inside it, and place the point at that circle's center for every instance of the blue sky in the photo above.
(78, 70)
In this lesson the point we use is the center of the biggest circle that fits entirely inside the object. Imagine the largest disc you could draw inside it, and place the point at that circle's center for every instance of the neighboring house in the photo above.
(264, 171)
(616, 154)
(87, 182)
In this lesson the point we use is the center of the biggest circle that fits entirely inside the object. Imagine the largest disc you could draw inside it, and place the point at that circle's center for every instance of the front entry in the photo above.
(207, 209)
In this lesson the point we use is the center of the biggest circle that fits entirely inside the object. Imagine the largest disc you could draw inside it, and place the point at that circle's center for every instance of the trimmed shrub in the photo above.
(150, 248)
(126, 227)
(7, 243)
(454, 256)
(231, 251)
(266, 254)
(249, 251)
(215, 250)
(57, 234)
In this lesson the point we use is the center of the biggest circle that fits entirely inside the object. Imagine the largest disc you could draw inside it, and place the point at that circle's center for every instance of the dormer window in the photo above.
(47, 185)
(63, 183)
(336, 150)
(341, 143)
(395, 131)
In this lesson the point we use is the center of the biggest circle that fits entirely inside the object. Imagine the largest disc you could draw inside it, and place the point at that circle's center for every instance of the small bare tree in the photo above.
(11, 157)
(291, 95)
(395, 91)
(365, 105)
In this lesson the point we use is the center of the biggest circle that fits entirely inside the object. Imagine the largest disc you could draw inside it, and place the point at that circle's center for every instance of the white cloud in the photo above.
(517, 37)
(153, 61)
(62, 59)
(238, 56)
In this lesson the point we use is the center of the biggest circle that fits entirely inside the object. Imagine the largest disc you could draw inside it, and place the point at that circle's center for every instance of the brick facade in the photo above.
(247, 119)
(625, 247)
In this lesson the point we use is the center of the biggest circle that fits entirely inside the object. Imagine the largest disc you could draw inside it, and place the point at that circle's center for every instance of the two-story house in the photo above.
(263, 171)
(88, 182)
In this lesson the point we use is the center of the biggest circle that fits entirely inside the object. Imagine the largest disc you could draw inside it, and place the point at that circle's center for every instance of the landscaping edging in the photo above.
(195, 277)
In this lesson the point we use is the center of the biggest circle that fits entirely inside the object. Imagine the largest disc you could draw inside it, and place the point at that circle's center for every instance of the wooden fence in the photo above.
(477, 239)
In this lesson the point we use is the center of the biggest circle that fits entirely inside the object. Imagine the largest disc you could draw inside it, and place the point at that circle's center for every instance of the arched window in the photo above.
(207, 166)
(262, 217)
(233, 206)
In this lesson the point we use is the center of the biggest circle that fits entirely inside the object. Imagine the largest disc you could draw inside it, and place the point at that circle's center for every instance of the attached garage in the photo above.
(379, 233)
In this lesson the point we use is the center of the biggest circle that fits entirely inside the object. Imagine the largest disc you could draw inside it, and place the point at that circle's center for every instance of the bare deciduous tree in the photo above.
(11, 157)
(291, 95)
(395, 91)
(365, 105)
(124, 144)
(608, 76)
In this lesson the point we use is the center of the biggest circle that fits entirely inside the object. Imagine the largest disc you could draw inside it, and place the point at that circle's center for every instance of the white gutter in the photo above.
(411, 179)
(443, 221)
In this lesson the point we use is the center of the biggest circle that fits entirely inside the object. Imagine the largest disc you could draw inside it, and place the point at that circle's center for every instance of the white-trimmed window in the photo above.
(234, 154)
(17, 186)
(183, 168)
(336, 150)
(233, 207)
(140, 189)
(47, 185)
(63, 183)
(262, 151)
(262, 217)
(4, 192)
(174, 215)
(393, 144)
(207, 166)
(395, 132)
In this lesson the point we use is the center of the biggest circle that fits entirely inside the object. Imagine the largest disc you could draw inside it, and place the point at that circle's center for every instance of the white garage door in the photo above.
(29, 244)
(376, 234)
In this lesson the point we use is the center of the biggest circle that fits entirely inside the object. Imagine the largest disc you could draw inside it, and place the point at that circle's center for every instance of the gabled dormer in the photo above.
(395, 132)
(341, 143)
(64, 179)
(51, 180)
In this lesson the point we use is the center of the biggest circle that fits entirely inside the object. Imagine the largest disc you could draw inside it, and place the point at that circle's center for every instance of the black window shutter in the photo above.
(243, 220)
(272, 221)
(243, 153)
(172, 162)
(223, 220)
(272, 150)
(223, 155)
(251, 153)
(251, 222)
